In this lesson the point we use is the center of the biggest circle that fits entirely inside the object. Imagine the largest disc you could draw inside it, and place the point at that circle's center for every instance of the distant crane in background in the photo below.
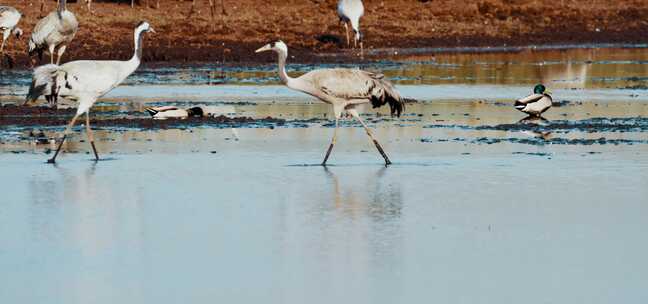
(350, 12)
(344, 89)
(9, 18)
(57, 29)
(212, 12)
(84, 81)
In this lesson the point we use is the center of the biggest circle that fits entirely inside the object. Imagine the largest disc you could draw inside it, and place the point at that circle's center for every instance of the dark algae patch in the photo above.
(590, 125)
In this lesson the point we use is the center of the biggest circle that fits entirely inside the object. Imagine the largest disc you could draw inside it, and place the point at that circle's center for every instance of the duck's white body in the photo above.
(534, 104)
(167, 112)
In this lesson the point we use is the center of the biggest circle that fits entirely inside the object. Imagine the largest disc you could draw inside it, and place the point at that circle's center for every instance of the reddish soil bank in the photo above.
(310, 27)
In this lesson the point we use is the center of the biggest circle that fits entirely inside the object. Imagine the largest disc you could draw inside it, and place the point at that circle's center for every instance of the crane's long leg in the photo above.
(91, 136)
(51, 50)
(235, 134)
(65, 134)
(61, 50)
(346, 30)
(330, 148)
(355, 114)
(338, 113)
(5, 36)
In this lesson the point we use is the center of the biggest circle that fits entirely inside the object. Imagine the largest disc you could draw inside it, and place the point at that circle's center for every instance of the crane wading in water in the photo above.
(344, 89)
(84, 81)
(57, 29)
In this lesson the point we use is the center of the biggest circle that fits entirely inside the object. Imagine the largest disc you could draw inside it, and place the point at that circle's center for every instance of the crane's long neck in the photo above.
(137, 56)
(131, 65)
(282, 68)
(61, 7)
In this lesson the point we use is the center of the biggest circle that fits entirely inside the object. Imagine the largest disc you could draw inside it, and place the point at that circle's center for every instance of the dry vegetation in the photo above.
(311, 26)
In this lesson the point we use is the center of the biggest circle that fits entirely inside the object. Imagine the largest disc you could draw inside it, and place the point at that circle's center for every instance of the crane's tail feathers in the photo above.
(43, 82)
(387, 94)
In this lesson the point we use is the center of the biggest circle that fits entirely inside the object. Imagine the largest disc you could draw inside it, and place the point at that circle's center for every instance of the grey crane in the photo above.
(9, 18)
(57, 29)
(344, 89)
(84, 81)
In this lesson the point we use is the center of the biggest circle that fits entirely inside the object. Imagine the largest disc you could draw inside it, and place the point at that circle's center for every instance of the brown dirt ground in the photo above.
(311, 27)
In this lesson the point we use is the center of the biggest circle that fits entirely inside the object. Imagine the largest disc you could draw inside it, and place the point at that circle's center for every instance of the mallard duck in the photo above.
(166, 112)
(536, 103)
(537, 123)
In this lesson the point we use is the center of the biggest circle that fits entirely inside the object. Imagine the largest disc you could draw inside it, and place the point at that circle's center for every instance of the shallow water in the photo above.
(480, 206)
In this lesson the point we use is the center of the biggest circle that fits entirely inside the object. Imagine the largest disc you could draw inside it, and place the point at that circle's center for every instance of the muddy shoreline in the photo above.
(39, 117)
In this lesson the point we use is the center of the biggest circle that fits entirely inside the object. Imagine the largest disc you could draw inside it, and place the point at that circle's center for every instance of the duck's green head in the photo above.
(539, 89)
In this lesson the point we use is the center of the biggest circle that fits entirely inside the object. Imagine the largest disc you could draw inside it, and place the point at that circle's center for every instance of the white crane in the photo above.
(84, 81)
(350, 11)
(57, 29)
(536, 103)
(344, 89)
(9, 18)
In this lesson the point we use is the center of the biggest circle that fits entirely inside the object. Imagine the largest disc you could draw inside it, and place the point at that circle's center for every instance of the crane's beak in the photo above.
(152, 30)
(266, 47)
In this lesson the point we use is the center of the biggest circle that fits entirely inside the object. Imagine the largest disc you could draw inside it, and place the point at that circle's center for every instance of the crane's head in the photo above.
(145, 27)
(279, 47)
(18, 32)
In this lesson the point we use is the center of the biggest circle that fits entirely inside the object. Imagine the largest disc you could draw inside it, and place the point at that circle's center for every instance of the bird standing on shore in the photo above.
(344, 89)
(9, 18)
(84, 81)
(350, 12)
(57, 29)
(536, 103)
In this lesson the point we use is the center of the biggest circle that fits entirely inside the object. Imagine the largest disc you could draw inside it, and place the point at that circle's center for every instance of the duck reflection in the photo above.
(534, 125)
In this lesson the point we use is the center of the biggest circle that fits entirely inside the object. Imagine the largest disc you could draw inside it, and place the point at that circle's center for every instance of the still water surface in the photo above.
(478, 208)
